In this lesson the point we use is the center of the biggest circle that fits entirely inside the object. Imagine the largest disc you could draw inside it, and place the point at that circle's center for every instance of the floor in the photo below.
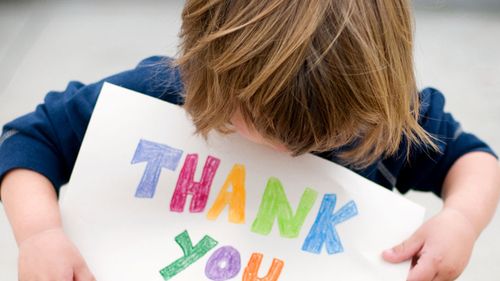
(45, 44)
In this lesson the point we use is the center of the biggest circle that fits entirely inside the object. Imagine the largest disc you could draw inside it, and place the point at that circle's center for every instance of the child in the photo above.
(330, 77)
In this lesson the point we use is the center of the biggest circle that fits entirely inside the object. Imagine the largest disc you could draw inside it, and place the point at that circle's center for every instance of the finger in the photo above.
(404, 251)
(425, 269)
(83, 273)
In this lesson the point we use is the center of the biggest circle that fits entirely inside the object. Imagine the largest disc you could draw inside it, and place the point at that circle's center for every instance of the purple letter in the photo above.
(186, 185)
(224, 264)
(158, 156)
(323, 229)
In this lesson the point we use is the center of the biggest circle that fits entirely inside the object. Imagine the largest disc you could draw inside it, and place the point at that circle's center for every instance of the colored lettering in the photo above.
(191, 254)
(275, 204)
(323, 230)
(186, 185)
(235, 199)
(157, 156)
(252, 269)
(223, 264)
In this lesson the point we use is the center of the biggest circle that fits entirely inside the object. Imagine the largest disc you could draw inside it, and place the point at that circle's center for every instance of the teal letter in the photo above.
(191, 254)
(274, 203)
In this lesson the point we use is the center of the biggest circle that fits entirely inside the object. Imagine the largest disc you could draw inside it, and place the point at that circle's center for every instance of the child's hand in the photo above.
(440, 249)
(50, 255)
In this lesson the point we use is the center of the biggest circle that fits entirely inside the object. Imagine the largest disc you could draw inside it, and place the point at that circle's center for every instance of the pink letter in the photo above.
(186, 184)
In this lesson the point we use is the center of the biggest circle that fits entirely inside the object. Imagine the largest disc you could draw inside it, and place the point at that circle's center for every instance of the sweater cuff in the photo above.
(474, 144)
(19, 151)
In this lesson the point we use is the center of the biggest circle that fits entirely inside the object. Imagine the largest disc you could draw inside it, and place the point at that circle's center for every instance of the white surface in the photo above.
(43, 46)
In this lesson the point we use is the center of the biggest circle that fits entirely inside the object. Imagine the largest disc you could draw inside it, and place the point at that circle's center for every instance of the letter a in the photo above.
(235, 199)
(186, 185)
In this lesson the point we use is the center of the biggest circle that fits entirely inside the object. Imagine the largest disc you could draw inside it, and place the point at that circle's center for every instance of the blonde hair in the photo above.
(313, 75)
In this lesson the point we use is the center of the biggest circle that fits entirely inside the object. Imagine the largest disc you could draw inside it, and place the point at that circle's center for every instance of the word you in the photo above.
(223, 264)
(274, 206)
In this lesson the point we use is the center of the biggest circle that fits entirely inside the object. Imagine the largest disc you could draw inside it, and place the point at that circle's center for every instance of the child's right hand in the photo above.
(50, 255)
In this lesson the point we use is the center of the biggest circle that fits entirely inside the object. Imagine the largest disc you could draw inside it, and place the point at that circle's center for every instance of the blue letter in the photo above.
(323, 230)
(158, 156)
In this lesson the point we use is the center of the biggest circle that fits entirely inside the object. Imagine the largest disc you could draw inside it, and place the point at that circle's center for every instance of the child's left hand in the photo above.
(440, 249)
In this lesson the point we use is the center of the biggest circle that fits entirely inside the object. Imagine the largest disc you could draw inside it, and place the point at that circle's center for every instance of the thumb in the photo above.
(404, 251)
(82, 273)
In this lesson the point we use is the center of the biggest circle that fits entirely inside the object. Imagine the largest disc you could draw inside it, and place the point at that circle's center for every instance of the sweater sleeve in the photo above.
(425, 170)
(48, 140)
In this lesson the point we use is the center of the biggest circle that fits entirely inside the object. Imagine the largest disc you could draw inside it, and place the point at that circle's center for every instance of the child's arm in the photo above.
(47, 141)
(45, 253)
(442, 246)
(472, 188)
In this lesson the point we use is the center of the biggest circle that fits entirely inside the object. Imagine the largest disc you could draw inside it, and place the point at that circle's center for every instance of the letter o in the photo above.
(223, 264)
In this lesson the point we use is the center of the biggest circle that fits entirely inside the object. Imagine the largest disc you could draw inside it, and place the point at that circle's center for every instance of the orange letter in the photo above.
(252, 269)
(235, 198)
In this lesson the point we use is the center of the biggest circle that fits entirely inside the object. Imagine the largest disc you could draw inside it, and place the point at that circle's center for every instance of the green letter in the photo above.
(274, 203)
(191, 254)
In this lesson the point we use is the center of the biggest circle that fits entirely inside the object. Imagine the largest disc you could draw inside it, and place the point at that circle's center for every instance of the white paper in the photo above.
(123, 237)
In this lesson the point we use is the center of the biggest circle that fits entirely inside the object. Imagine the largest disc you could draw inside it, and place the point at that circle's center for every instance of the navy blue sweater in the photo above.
(47, 140)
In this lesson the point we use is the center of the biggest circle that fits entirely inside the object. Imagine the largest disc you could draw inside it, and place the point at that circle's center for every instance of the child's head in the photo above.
(309, 75)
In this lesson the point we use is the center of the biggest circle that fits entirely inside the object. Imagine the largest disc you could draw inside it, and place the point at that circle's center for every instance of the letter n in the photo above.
(275, 204)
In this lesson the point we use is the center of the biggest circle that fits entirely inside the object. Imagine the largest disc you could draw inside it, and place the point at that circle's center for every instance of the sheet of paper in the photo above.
(144, 185)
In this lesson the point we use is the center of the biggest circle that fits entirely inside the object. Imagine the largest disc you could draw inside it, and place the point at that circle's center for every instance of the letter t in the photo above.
(157, 156)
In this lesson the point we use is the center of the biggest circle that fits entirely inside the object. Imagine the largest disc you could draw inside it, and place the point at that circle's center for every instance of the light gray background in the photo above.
(45, 44)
